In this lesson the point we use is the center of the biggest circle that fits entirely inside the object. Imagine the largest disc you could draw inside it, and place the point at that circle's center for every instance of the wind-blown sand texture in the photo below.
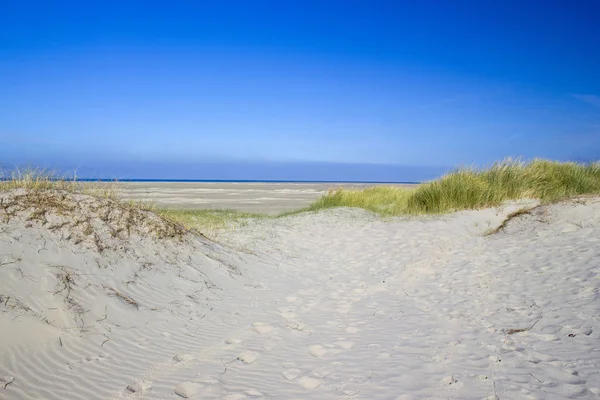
(334, 305)
(256, 197)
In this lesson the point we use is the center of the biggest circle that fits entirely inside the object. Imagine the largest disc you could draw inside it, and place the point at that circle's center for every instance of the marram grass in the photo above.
(207, 221)
(385, 200)
(471, 188)
(37, 179)
(464, 188)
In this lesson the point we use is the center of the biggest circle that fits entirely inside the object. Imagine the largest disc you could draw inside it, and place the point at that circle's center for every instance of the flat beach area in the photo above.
(252, 197)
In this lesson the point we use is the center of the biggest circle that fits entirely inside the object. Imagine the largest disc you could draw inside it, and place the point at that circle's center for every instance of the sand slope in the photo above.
(338, 304)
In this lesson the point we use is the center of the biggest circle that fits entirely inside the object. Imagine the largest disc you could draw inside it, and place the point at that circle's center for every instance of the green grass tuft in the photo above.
(206, 221)
(385, 200)
(471, 188)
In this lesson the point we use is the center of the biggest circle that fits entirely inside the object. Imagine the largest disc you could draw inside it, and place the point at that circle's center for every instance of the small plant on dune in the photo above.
(380, 199)
(36, 179)
(207, 221)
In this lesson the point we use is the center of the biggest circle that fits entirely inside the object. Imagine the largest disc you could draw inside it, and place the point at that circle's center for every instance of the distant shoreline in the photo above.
(239, 181)
(221, 181)
(271, 197)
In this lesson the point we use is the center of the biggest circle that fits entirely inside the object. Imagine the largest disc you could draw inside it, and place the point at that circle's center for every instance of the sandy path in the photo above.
(424, 309)
(335, 305)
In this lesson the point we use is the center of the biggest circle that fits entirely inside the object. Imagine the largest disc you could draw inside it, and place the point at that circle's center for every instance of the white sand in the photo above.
(333, 305)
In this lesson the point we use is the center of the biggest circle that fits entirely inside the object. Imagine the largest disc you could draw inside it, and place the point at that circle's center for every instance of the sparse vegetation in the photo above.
(385, 200)
(124, 298)
(471, 188)
(209, 222)
(464, 188)
(79, 209)
(38, 180)
(45, 192)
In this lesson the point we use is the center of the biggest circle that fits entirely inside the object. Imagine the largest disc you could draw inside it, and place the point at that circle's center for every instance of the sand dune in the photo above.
(339, 304)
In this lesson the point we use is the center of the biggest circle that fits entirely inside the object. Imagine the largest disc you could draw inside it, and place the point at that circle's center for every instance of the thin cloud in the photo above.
(591, 99)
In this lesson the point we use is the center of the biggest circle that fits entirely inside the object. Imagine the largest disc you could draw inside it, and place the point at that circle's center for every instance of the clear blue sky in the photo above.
(137, 88)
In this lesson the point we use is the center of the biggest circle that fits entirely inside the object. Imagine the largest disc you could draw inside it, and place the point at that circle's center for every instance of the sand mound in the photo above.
(83, 218)
(75, 270)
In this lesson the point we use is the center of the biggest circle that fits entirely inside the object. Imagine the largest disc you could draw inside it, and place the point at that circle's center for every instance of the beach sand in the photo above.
(254, 197)
(338, 304)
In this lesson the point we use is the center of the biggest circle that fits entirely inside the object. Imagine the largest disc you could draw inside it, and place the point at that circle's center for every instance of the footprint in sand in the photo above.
(291, 374)
(309, 382)
(139, 386)
(344, 344)
(343, 308)
(100, 357)
(451, 383)
(291, 299)
(296, 325)
(287, 313)
(187, 389)
(254, 393)
(481, 378)
(181, 358)
(374, 346)
(322, 372)
(141, 343)
(317, 350)
(261, 328)
(379, 313)
(271, 344)
(86, 360)
(248, 357)
(312, 304)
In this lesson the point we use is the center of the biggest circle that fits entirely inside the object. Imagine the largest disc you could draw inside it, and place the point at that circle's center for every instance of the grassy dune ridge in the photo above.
(472, 188)
(464, 188)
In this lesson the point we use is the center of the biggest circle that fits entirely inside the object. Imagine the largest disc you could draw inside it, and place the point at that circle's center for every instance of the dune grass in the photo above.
(472, 188)
(464, 188)
(35, 179)
(38, 179)
(207, 221)
(385, 200)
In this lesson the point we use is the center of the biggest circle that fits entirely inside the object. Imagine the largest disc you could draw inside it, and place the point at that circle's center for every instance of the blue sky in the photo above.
(196, 87)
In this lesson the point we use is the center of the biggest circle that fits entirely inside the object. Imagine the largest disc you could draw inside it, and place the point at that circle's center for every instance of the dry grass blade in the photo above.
(122, 297)
(509, 217)
(513, 331)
